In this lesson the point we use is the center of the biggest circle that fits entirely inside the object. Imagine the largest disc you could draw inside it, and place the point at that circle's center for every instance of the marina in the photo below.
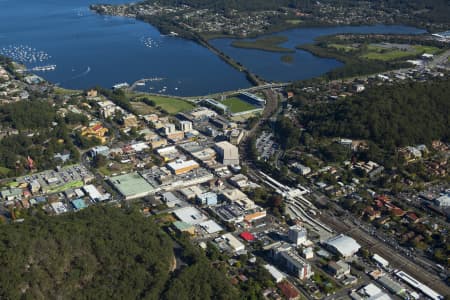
(44, 68)
(25, 54)
(142, 82)
(150, 42)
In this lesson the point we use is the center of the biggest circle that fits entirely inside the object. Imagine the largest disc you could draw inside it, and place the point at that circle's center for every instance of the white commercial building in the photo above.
(443, 201)
(233, 242)
(190, 215)
(102, 150)
(303, 170)
(297, 234)
(342, 245)
(295, 264)
(308, 253)
(371, 291)
(211, 227)
(170, 199)
(58, 207)
(139, 147)
(228, 153)
(276, 274)
(94, 194)
(380, 260)
(169, 128)
(186, 126)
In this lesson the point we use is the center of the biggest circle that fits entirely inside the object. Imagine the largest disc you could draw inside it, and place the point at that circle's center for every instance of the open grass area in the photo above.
(237, 105)
(4, 171)
(64, 92)
(69, 185)
(142, 108)
(115, 168)
(386, 54)
(271, 44)
(13, 184)
(427, 49)
(171, 105)
(293, 21)
(343, 47)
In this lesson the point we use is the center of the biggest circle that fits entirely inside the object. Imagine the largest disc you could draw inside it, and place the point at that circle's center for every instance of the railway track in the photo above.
(395, 259)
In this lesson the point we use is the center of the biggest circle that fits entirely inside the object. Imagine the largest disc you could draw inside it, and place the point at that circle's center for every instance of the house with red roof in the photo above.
(247, 236)
(371, 213)
(412, 217)
(288, 290)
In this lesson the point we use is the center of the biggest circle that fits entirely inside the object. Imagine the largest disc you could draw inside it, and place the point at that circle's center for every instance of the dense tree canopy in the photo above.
(27, 115)
(396, 115)
(41, 134)
(99, 253)
(102, 253)
(198, 282)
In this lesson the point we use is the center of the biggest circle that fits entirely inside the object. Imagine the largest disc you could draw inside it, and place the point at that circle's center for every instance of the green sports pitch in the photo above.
(237, 105)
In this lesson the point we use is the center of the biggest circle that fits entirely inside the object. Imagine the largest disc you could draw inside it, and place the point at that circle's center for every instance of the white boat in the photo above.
(121, 85)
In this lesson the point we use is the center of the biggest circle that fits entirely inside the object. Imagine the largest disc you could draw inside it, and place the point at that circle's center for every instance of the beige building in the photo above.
(129, 120)
(228, 153)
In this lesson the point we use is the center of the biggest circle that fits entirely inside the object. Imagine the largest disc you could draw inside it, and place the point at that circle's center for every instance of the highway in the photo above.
(440, 60)
(261, 87)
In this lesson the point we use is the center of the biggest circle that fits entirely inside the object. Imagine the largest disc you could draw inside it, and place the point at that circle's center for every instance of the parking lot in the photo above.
(54, 181)
(266, 146)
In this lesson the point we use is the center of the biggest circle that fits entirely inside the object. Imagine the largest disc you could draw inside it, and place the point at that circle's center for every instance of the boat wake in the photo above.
(88, 70)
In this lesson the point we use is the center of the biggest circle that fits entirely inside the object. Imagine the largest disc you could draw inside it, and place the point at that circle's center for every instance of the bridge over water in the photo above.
(195, 99)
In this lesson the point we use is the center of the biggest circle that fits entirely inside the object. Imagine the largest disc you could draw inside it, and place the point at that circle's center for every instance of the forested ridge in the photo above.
(101, 253)
(396, 115)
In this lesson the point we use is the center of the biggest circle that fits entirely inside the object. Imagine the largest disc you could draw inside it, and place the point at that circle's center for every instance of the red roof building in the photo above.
(384, 198)
(97, 127)
(398, 212)
(412, 217)
(379, 203)
(372, 213)
(247, 236)
(288, 290)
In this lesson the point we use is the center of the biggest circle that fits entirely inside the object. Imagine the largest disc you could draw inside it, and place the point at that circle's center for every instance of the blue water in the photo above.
(89, 50)
(305, 65)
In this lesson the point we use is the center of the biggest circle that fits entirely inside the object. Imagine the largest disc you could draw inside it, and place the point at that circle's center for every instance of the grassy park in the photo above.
(170, 105)
(389, 54)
